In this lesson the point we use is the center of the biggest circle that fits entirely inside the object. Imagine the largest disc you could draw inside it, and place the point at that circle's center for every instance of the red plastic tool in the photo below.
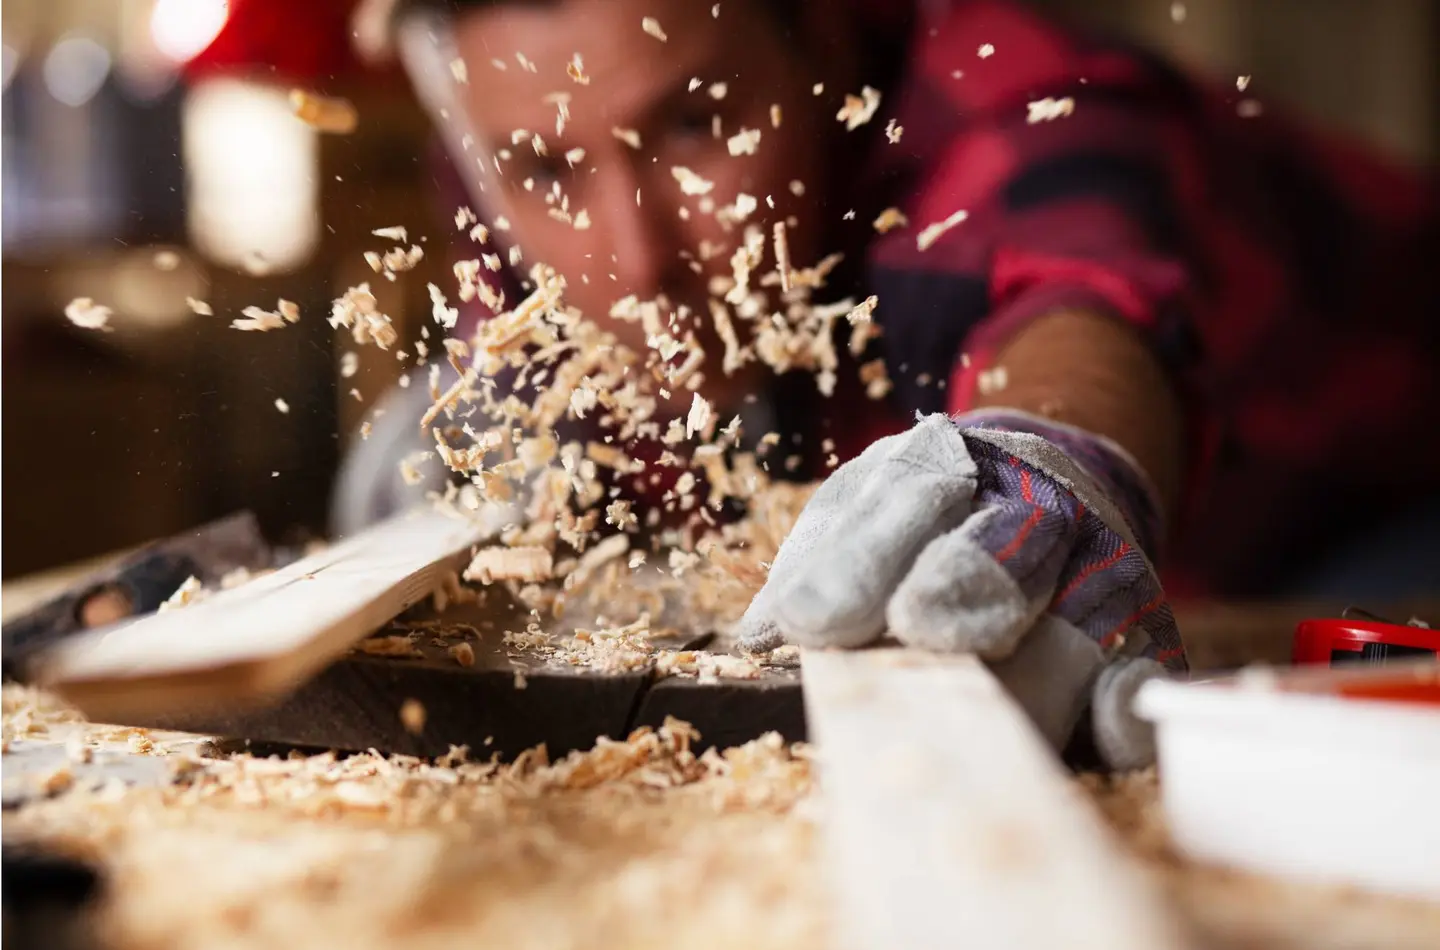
(1360, 637)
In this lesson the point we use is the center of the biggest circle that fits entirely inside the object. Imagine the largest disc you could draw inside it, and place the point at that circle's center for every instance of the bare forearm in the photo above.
(1094, 372)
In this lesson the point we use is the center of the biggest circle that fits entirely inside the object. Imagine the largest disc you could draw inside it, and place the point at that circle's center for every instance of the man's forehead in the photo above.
(629, 71)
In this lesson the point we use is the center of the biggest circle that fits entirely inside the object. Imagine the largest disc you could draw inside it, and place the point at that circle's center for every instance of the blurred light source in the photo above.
(183, 28)
(252, 172)
(75, 69)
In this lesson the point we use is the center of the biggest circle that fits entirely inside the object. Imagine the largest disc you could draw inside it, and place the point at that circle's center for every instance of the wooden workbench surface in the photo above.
(633, 844)
(629, 845)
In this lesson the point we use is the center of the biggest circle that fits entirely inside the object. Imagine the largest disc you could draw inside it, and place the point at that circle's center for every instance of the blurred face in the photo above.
(647, 236)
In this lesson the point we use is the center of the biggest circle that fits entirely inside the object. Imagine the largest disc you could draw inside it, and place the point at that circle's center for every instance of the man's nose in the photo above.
(638, 224)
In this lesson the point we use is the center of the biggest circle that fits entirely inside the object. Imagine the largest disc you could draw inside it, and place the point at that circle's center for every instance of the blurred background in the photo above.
(148, 156)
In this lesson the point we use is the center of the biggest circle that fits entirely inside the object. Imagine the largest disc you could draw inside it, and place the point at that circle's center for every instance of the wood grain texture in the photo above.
(258, 641)
(948, 823)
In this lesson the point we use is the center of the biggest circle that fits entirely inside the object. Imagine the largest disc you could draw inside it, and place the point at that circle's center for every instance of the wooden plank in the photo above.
(949, 823)
(261, 640)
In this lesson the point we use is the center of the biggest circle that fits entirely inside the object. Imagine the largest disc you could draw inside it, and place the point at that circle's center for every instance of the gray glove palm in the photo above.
(989, 541)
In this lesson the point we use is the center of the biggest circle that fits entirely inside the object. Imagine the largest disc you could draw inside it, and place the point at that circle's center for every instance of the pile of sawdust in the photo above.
(632, 844)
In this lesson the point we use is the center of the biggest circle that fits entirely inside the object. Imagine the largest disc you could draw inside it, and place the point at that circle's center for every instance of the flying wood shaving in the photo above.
(629, 136)
(396, 233)
(873, 375)
(893, 132)
(256, 319)
(718, 90)
(744, 142)
(652, 26)
(858, 110)
(575, 69)
(782, 256)
(327, 114)
(88, 315)
(698, 417)
(933, 232)
(691, 183)
(1044, 110)
(890, 219)
(200, 307)
(528, 564)
(992, 380)
(444, 315)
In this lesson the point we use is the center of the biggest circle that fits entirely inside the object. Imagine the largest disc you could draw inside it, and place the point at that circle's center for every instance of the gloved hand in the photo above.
(979, 535)
(369, 486)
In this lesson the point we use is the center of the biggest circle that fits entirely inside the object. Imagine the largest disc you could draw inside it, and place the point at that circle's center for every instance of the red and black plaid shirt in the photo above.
(1282, 278)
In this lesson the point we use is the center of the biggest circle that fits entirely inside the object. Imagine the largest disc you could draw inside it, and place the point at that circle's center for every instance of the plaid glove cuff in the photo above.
(1113, 470)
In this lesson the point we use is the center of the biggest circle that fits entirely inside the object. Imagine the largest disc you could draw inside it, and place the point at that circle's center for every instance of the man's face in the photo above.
(646, 236)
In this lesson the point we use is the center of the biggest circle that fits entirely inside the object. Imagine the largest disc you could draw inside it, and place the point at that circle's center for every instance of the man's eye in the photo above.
(691, 125)
(547, 170)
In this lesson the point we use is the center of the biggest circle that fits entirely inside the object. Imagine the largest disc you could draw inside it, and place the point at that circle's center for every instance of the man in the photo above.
(1143, 302)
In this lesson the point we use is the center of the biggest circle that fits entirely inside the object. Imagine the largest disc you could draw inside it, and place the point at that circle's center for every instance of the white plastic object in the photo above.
(1277, 772)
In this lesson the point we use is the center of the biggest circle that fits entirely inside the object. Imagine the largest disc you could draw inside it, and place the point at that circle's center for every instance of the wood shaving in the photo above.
(166, 260)
(528, 564)
(328, 114)
(1048, 109)
(463, 654)
(717, 91)
(890, 219)
(199, 307)
(860, 109)
(575, 69)
(282, 406)
(691, 183)
(393, 646)
(629, 136)
(396, 233)
(412, 716)
(775, 116)
(933, 232)
(893, 132)
(652, 26)
(992, 380)
(985, 51)
(88, 315)
(744, 142)
(256, 319)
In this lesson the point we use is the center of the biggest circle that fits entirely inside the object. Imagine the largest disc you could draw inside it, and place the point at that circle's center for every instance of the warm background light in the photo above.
(252, 175)
(183, 28)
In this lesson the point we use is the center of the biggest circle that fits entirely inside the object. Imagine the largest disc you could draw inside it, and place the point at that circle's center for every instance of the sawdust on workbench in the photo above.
(632, 844)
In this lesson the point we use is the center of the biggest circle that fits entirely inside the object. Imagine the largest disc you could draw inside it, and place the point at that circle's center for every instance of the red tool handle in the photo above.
(1347, 640)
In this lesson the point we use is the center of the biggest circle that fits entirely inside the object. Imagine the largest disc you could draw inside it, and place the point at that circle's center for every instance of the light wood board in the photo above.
(256, 642)
(948, 823)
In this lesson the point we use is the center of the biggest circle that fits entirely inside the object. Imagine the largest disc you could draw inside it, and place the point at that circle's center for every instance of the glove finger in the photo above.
(758, 631)
(1050, 675)
(1123, 739)
(921, 488)
(1109, 589)
(979, 588)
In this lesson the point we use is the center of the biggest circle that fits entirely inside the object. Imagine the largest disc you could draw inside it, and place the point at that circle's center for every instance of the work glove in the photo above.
(1004, 535)
(369, 486)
